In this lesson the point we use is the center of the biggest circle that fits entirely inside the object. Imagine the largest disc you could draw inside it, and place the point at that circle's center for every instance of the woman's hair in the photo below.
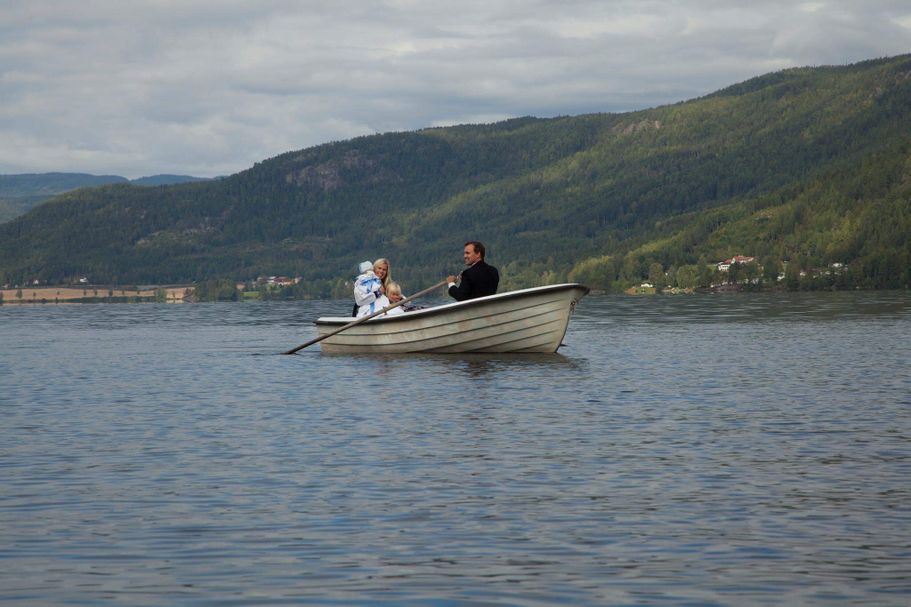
(393, 287)
(388, 278)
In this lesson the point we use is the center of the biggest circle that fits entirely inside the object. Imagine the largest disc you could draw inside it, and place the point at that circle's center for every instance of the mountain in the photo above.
(806, 167)
(166, 179)
(20, 193)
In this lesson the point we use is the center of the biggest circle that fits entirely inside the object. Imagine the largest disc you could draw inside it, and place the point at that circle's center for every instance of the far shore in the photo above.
(93, 294)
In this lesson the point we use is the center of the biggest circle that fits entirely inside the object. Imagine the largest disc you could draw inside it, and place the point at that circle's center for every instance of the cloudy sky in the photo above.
(208, 87)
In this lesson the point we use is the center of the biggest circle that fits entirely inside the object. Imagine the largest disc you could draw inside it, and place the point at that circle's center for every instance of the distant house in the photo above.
(643, 289)
(277, 281)
(725, 265)
(836, 268)
(274, 281)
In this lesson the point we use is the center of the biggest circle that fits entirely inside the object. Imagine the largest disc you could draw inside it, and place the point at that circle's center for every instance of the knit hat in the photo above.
(365, 266)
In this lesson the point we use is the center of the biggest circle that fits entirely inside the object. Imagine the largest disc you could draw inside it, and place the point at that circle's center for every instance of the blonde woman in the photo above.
(371, 287)
(383, 272)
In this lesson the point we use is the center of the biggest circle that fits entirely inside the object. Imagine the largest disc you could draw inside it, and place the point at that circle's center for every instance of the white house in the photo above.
(725, 265)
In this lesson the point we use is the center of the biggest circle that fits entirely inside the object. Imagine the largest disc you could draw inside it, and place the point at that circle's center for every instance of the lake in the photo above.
(690, 450)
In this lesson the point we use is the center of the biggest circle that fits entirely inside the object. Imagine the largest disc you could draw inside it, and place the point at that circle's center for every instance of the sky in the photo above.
(209, 87)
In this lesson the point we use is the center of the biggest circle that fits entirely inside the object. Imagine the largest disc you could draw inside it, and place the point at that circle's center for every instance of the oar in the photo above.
(366, 318)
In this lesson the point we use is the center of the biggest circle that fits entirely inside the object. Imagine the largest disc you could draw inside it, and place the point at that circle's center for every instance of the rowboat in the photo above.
(527, 320)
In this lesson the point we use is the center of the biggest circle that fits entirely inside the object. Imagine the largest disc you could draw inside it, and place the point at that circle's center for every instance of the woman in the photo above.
(367, 295)
(382, 271)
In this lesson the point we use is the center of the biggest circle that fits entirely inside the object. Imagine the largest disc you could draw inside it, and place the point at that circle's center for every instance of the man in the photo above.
(479, 279)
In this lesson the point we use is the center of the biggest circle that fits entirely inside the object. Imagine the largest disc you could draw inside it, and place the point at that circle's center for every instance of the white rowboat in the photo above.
(528, 320)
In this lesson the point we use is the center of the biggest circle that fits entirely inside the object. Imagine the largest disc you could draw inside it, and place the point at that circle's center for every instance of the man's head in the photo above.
(474, 252)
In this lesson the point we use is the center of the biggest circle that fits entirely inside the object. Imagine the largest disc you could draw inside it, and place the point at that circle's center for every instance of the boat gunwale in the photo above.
(436, 310)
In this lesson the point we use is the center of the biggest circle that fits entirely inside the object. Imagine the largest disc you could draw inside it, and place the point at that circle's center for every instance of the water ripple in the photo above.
(705, 450)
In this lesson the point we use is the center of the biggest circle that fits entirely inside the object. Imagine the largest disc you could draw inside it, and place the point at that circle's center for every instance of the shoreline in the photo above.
(93, 294)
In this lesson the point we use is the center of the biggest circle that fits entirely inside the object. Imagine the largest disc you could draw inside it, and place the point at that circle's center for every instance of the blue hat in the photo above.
(365, 266)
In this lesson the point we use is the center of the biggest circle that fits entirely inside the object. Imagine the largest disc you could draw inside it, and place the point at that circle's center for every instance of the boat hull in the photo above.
(529, 320)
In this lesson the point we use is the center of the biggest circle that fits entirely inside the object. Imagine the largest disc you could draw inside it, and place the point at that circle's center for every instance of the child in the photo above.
(394, 295)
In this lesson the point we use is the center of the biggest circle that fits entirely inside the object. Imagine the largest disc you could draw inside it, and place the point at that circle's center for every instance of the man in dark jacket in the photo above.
(478, 279)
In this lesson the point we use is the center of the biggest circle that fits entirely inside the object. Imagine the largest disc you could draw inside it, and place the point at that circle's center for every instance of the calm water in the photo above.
(700, 450)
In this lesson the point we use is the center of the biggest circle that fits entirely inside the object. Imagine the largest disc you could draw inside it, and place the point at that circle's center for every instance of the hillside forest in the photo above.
(806, 170)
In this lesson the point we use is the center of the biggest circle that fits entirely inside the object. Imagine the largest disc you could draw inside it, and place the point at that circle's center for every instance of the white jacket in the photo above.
(382, 302)
(378, 304)
(395, 311)
(367, 293)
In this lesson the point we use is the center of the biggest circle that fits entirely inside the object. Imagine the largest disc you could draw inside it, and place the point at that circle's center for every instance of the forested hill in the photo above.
(22, 192)
(809, 166)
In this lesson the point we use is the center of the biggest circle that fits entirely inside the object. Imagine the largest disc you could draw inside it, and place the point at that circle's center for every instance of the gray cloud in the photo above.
(208, 87)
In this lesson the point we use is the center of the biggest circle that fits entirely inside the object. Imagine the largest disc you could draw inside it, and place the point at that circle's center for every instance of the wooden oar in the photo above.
(366, 318)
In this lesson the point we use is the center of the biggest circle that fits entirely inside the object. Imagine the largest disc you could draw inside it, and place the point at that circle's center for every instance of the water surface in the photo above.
(693, 450)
